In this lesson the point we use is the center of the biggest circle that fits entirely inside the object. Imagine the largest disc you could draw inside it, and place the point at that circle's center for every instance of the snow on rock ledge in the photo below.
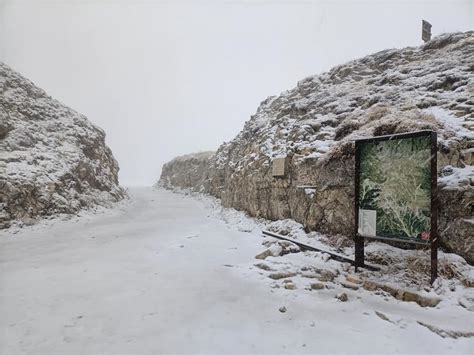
(52, 159)
(314, 125)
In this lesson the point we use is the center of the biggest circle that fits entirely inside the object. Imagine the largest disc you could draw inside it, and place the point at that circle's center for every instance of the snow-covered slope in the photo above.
(52, 159)
(314, 125)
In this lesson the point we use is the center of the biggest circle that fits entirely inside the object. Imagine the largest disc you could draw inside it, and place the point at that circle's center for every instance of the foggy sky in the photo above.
(165, 78)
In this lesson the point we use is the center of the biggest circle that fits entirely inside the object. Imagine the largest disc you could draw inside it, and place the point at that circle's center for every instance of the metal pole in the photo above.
(359, 240)
(334, 256)
(434, 208)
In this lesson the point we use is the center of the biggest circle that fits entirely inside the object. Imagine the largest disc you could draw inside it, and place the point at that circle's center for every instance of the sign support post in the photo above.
(359, 241)
(434, 207)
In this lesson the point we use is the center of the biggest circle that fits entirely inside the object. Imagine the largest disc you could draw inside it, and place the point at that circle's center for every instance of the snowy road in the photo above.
(161, 274)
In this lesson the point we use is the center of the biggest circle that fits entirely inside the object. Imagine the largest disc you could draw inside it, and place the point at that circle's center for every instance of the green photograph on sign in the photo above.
(394, 188)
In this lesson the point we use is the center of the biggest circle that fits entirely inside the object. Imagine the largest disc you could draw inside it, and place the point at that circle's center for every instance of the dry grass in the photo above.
(413, 267)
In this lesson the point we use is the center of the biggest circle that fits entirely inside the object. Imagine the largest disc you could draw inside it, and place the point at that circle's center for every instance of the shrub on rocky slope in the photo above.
(52, 159)
(315, 124)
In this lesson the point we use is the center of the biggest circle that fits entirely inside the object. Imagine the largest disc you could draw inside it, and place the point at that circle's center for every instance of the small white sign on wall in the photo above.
(367, 222)
(279, 167)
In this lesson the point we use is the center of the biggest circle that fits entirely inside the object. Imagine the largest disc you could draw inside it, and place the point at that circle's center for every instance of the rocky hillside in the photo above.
(187, 171)
(52, 159)
(314, 125)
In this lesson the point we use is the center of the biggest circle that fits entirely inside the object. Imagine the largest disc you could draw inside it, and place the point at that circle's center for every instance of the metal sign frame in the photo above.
(434, 237)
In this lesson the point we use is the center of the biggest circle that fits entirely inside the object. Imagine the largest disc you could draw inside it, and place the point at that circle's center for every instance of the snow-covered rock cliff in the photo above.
(52, 159)
(315, 124)
(187, 171)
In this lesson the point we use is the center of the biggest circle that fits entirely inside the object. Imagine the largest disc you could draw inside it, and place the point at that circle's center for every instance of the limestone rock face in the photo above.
(52, 159)
(187, 171)
(315, 124)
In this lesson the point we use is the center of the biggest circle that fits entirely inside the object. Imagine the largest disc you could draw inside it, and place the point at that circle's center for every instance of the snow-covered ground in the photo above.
(165, 273)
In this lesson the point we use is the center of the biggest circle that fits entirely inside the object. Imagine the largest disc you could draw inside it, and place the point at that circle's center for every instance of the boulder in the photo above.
(342, 297)
(274, 250)
(317, 286)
